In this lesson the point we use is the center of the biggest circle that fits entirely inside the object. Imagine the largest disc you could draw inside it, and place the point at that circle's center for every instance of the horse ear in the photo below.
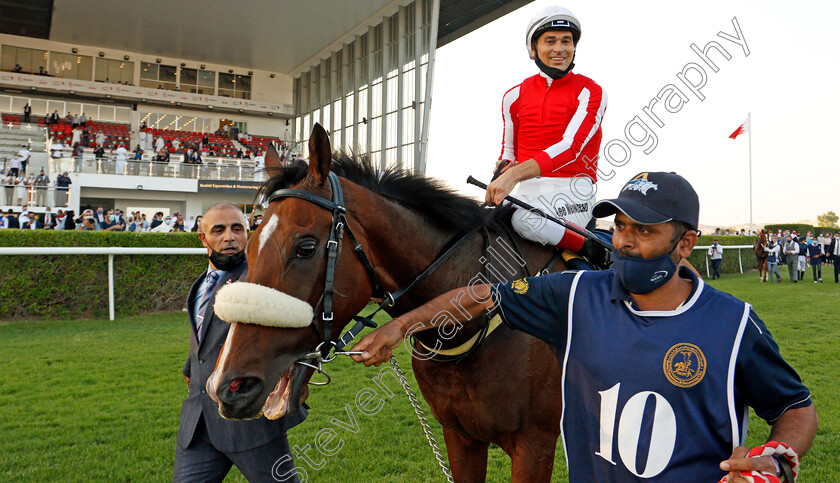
(273, 162)
(320, 155)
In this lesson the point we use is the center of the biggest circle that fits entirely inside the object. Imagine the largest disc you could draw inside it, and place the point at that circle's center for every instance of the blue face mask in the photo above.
(644, 275)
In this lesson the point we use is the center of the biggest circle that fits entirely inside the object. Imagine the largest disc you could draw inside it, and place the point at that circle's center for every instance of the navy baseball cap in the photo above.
(652, 198)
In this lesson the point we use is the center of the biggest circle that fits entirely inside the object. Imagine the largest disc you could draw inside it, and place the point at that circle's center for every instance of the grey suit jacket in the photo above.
(226, 435)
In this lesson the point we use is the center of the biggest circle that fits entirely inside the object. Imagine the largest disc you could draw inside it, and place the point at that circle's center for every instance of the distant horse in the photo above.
(761, 255)
(506, 392)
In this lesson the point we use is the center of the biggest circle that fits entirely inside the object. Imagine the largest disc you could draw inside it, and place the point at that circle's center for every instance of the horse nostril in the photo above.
(234, 385)
(240, 391)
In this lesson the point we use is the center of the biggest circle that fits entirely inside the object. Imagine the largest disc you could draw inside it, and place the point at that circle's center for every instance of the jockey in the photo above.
(552, 136)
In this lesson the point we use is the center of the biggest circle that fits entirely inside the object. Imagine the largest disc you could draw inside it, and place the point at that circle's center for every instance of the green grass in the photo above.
(95, 400)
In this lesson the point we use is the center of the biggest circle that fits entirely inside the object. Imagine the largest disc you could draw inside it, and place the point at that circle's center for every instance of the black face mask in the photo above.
(226, 262)
(551, 71)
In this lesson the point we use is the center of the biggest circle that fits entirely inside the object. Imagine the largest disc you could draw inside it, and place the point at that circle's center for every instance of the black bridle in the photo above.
(337, 230)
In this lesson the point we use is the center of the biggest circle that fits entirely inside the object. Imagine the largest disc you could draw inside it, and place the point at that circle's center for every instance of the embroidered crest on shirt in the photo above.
(684, 365)
(640, 183)
(519, 286)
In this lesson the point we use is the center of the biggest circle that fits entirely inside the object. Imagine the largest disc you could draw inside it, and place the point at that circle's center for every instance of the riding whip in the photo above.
(580, 231)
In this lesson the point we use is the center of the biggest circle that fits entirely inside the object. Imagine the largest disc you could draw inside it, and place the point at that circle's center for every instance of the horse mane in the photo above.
(428, 196)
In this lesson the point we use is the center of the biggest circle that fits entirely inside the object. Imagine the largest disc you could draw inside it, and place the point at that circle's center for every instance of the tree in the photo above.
(828, 219)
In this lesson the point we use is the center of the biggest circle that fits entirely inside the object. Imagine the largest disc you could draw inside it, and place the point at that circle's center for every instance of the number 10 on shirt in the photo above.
(662, 439)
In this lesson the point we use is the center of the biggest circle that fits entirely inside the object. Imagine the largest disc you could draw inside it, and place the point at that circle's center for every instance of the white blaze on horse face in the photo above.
(213, 380)
(268, 230)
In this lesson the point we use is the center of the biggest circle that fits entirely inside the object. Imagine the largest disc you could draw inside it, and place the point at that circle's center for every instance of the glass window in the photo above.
(206, 78)
(197, 81)
(114, 71)
(238, 86)
(166, 73)
(156, 76)
(71, 66)
(148, 71)
(23, 60)
(206, 82)
(188, 77)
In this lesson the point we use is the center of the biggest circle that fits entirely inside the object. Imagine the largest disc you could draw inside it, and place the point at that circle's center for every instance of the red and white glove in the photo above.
(770, 449)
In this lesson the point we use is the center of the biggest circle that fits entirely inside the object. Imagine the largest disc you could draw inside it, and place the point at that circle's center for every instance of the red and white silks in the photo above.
(770, 449)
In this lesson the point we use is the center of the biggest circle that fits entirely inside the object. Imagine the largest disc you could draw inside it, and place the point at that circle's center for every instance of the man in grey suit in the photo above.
(207, 444)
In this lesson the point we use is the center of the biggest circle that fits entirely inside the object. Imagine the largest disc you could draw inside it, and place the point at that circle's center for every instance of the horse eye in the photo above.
(305, 249)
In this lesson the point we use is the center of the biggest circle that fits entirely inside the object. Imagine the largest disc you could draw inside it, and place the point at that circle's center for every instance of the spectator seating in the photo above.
(222, 146)
(114, 133)
(260, 143)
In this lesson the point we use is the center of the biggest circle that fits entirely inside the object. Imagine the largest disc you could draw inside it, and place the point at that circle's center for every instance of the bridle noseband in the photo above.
(337, 230)
(339, 227)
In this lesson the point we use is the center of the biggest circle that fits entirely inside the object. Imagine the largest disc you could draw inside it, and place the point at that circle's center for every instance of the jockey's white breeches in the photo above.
(571, 199)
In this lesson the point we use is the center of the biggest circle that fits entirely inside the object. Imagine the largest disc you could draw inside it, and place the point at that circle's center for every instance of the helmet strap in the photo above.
(551, 71)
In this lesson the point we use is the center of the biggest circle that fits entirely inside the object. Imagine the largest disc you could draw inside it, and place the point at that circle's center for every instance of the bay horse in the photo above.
(761, 255)
(403, 222)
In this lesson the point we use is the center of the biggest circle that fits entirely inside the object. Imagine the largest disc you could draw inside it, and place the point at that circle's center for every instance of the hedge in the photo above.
(730, 257)
(74, 286)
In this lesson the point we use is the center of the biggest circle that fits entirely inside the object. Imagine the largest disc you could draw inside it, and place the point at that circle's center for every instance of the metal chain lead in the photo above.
(422, 417)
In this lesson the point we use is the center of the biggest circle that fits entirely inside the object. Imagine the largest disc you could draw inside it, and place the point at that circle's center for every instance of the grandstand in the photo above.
(114, 133)
(362, 79)
(220, 145)
(261, 143)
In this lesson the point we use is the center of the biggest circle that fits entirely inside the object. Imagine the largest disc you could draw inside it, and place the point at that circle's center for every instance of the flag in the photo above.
(745, 127)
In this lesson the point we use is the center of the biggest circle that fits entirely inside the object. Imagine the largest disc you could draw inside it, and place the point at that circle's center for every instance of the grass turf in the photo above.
(96, 400)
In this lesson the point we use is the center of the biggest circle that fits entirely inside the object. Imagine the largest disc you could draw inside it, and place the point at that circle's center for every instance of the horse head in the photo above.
(278, 315)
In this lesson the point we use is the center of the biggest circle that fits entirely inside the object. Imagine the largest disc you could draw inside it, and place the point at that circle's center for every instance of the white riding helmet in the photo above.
(551, 18)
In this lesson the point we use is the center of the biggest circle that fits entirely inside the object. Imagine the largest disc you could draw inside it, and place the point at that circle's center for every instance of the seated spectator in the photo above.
(138, 153)
(162, 156)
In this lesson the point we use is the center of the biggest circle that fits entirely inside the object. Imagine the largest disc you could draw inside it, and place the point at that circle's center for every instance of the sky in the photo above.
(788, 82)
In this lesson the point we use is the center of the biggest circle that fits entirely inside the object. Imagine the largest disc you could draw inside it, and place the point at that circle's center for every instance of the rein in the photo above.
(339, 227)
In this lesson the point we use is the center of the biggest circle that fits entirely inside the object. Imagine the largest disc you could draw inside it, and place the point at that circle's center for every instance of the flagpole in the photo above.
(749, 123)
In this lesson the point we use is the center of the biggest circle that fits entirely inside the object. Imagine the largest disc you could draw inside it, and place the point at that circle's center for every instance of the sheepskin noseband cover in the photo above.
(250, 303)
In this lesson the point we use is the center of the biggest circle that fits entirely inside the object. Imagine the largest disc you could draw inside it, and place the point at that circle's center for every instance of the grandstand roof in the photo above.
(256, 34)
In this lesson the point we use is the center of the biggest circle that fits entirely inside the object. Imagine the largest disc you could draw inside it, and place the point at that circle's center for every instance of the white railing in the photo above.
(110, 251)
(725, 247)
(210, 169)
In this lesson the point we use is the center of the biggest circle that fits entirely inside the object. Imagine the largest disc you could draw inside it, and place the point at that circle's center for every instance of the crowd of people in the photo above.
(800, 252)
(99, 219)
(20, 189)
(102, 219)
(733, 232)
